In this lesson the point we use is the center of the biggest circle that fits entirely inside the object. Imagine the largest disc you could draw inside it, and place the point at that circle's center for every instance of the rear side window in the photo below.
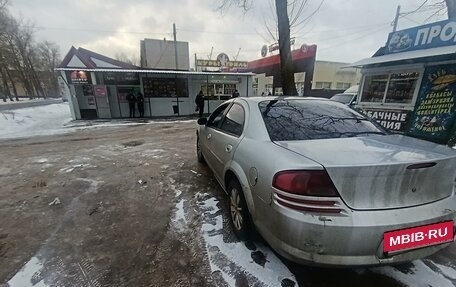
(233, 122)
(288, 120)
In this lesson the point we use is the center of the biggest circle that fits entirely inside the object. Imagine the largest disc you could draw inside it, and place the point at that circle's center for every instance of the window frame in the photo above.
(389, 71)
(224, 117)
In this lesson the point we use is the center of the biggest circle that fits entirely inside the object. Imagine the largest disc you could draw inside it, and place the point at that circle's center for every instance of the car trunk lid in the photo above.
(383, 172)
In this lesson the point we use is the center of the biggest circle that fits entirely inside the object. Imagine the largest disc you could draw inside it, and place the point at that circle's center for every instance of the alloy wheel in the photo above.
(236, 209)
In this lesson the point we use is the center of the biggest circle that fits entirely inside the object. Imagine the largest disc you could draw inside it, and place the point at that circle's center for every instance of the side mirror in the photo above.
(202, 121)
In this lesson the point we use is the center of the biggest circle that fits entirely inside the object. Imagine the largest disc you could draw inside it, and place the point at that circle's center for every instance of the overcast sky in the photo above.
(343, 30)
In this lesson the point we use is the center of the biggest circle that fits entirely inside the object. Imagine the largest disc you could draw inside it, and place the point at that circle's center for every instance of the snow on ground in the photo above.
(42, 120)
(21, 100)
(29, 275)
(420, 275)
(230, 259)
(56, 119)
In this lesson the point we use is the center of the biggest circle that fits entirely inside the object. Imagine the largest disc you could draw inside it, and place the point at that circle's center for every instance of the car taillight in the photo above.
(305, 182)
(306, 190)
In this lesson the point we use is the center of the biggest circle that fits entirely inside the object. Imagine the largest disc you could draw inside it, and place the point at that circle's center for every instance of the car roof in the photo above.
(271, 98)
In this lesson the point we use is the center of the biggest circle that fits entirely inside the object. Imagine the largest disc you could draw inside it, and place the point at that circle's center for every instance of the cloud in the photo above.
(343, 30)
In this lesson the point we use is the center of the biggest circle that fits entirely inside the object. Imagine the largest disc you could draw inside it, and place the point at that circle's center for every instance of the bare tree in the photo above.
(451, 8)
(132, 60)
(287, 16)
(24, 62)
(286, 62)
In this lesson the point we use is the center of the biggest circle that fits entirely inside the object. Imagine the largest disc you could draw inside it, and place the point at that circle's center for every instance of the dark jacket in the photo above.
(199, 101)
(140, 99)
(131, 98)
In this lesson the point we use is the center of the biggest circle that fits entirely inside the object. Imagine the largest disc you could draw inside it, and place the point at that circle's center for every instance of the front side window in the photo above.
(216, 116)
(233, 122)
(288, 120)
(402, 87)
(374, 88)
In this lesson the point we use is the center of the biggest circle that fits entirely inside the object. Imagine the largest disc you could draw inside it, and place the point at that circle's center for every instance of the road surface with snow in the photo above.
(128, 205)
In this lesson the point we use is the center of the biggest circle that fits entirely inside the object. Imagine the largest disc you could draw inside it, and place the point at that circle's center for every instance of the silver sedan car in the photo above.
(324, 185)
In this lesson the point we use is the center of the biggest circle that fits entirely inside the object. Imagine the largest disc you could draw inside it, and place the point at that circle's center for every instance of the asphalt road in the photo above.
(27, 104)
(131, 206)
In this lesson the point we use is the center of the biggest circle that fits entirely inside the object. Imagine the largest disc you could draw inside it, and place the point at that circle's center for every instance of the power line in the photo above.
(214, 32)
(102, 31)
(351, 40)
(347, 35)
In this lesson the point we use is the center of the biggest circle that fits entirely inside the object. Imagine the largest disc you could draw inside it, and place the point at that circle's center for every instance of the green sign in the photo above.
(434, 115)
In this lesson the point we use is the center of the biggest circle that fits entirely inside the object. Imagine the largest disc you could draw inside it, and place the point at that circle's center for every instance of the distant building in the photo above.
(161, 55)
(334, 76)
(329, 76)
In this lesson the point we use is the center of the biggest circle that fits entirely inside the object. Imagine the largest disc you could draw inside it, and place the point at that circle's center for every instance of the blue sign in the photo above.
(432, 35)
(435, 110)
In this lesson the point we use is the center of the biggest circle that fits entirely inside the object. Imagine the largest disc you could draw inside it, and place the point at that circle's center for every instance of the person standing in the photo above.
(131, 99)
(235, 94)
(199, 101)
(140, 102)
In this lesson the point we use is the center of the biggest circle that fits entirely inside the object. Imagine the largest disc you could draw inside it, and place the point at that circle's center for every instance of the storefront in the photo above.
(99, 87)
(103, 93)
(409, 86)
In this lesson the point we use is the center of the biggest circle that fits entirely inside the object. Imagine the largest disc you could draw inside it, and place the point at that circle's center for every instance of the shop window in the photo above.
(390, 88)
(401, 87)
(165, 87)
(342, 86)
(218, 91)
(374, 88)
(322, 85)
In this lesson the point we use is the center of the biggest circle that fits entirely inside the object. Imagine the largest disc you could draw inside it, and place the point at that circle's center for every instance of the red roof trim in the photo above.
(270, 61)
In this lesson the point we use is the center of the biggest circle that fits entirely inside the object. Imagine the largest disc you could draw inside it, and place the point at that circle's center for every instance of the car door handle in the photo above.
(209, 136)
(228, 148)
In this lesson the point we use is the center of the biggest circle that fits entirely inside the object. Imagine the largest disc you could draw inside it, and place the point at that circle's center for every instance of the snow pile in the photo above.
(21, 100)
(42, 120)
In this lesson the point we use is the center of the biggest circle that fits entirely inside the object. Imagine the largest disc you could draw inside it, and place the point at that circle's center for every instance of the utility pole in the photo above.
(196, 64)
(210, 55)
(237, 55)
(177, 66)
(396, 19)
(175, 45)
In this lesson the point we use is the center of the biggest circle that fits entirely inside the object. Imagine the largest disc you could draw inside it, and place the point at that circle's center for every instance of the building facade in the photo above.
(334, 76)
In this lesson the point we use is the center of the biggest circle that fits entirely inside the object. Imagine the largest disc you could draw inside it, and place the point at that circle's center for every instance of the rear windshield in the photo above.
(342, 98)
(288, 120)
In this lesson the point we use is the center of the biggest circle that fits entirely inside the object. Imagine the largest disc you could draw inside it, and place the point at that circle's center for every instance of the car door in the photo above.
(226, 138)
(207, 131)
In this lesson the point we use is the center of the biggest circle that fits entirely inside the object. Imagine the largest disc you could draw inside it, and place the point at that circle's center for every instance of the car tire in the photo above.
(239, 213)
(199, 153)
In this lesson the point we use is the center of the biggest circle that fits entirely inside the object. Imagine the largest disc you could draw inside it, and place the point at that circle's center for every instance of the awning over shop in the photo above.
(439, 51)
(147, 71)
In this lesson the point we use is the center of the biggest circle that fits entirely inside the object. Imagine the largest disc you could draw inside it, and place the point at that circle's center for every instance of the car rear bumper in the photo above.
(351, 239)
